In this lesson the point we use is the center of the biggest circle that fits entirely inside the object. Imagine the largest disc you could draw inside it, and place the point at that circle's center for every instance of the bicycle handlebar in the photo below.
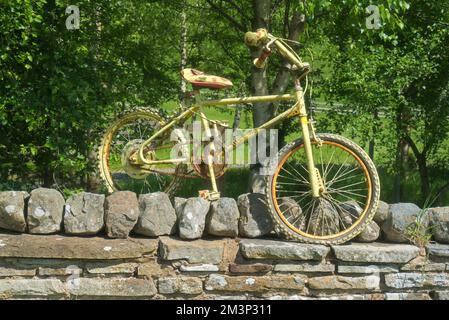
(261, 61)
(261, 37)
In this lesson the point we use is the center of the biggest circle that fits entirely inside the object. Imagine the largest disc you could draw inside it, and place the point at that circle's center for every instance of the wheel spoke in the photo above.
(345, 178)
(122, 139)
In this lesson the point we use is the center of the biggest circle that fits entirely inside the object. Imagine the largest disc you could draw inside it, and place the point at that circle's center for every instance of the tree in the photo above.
(60, 87)
(399, 72)
(243, 17)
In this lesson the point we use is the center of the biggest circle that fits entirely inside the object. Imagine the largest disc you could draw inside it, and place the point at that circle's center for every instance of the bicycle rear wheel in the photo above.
(348, 204)
(124, 137)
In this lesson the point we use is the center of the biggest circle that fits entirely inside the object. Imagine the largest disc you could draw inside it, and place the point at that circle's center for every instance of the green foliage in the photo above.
(419, 232)
(395, 85)
(59, 87)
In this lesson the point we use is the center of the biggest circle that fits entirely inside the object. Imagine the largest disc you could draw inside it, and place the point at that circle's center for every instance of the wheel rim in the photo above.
(123, 137)
(346, 179)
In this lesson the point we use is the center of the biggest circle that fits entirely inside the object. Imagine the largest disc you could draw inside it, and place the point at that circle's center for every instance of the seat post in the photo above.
(210, 156)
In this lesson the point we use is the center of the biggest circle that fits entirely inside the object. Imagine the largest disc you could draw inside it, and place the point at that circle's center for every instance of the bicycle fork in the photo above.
(315, 180)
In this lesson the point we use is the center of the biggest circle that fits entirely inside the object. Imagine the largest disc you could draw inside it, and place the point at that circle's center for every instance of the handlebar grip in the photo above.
(261, 62)
(256, 39)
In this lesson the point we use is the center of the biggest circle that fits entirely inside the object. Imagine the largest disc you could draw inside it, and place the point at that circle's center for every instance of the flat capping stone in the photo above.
(376, 252)
(73, 248)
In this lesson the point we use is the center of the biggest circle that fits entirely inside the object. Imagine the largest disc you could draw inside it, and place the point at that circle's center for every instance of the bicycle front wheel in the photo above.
(345, 207)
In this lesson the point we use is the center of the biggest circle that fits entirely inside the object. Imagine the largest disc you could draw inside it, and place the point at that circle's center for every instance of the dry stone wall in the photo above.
(127, 247)
(60, 267)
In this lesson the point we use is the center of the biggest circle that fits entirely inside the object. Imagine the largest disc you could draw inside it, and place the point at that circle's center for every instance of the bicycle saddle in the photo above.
(200, 79)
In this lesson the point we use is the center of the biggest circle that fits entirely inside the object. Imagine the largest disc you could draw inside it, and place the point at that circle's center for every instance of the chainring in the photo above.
(131, 169)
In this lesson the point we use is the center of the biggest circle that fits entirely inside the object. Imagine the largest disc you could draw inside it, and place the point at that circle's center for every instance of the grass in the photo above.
(419, 232)
(235, 180)
(412, 186)
(231, 185)
(224, 114)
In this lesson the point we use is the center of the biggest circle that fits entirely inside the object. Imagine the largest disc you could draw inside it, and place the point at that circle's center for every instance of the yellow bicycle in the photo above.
(324, 188)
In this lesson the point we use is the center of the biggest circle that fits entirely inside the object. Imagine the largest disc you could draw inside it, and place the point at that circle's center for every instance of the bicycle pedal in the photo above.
(209, 195)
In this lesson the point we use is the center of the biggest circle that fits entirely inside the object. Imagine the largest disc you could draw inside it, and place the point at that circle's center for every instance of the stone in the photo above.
(305, 267)
(325, 219)
(250, 268)
(294, 297)
(12, 211)
(382, 212)
(255, 220)
(35, 288)
(192, 220)
(439, 251)
(349, 212)
(74, 248)
(152, 269)
(363, 269)
(45, 210)
(281, 250)
(60, 272)
(11, 271)
(199, 268)
(96, 288)
(416, 280)
(157, 215)
(84, 214)
(217, 282)
(226, 298)
(292, 209)
(370, 234)
(223, 218)
(121, 213)
(376, 252)
(258, 178)
(344, 283)
(111, 268)
(441, 295)
(180, 285)
(179, 206)
(321, 297)
(439, 220)
(400, 217)
(407, 296)
(424, 265)
(199, 251)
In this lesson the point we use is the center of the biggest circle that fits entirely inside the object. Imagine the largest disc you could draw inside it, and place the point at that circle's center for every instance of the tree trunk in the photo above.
(280, 84)
(237, 118)
(372, 145)
(372, 142)
(93, 181)
(421, 161)
(424, 175)
(441, 193)
(259, 87)
(262, 112)
(398, 181)
(183, 50)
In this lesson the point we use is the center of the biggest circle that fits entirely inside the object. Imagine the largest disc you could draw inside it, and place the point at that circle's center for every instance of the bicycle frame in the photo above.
(298, 108)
